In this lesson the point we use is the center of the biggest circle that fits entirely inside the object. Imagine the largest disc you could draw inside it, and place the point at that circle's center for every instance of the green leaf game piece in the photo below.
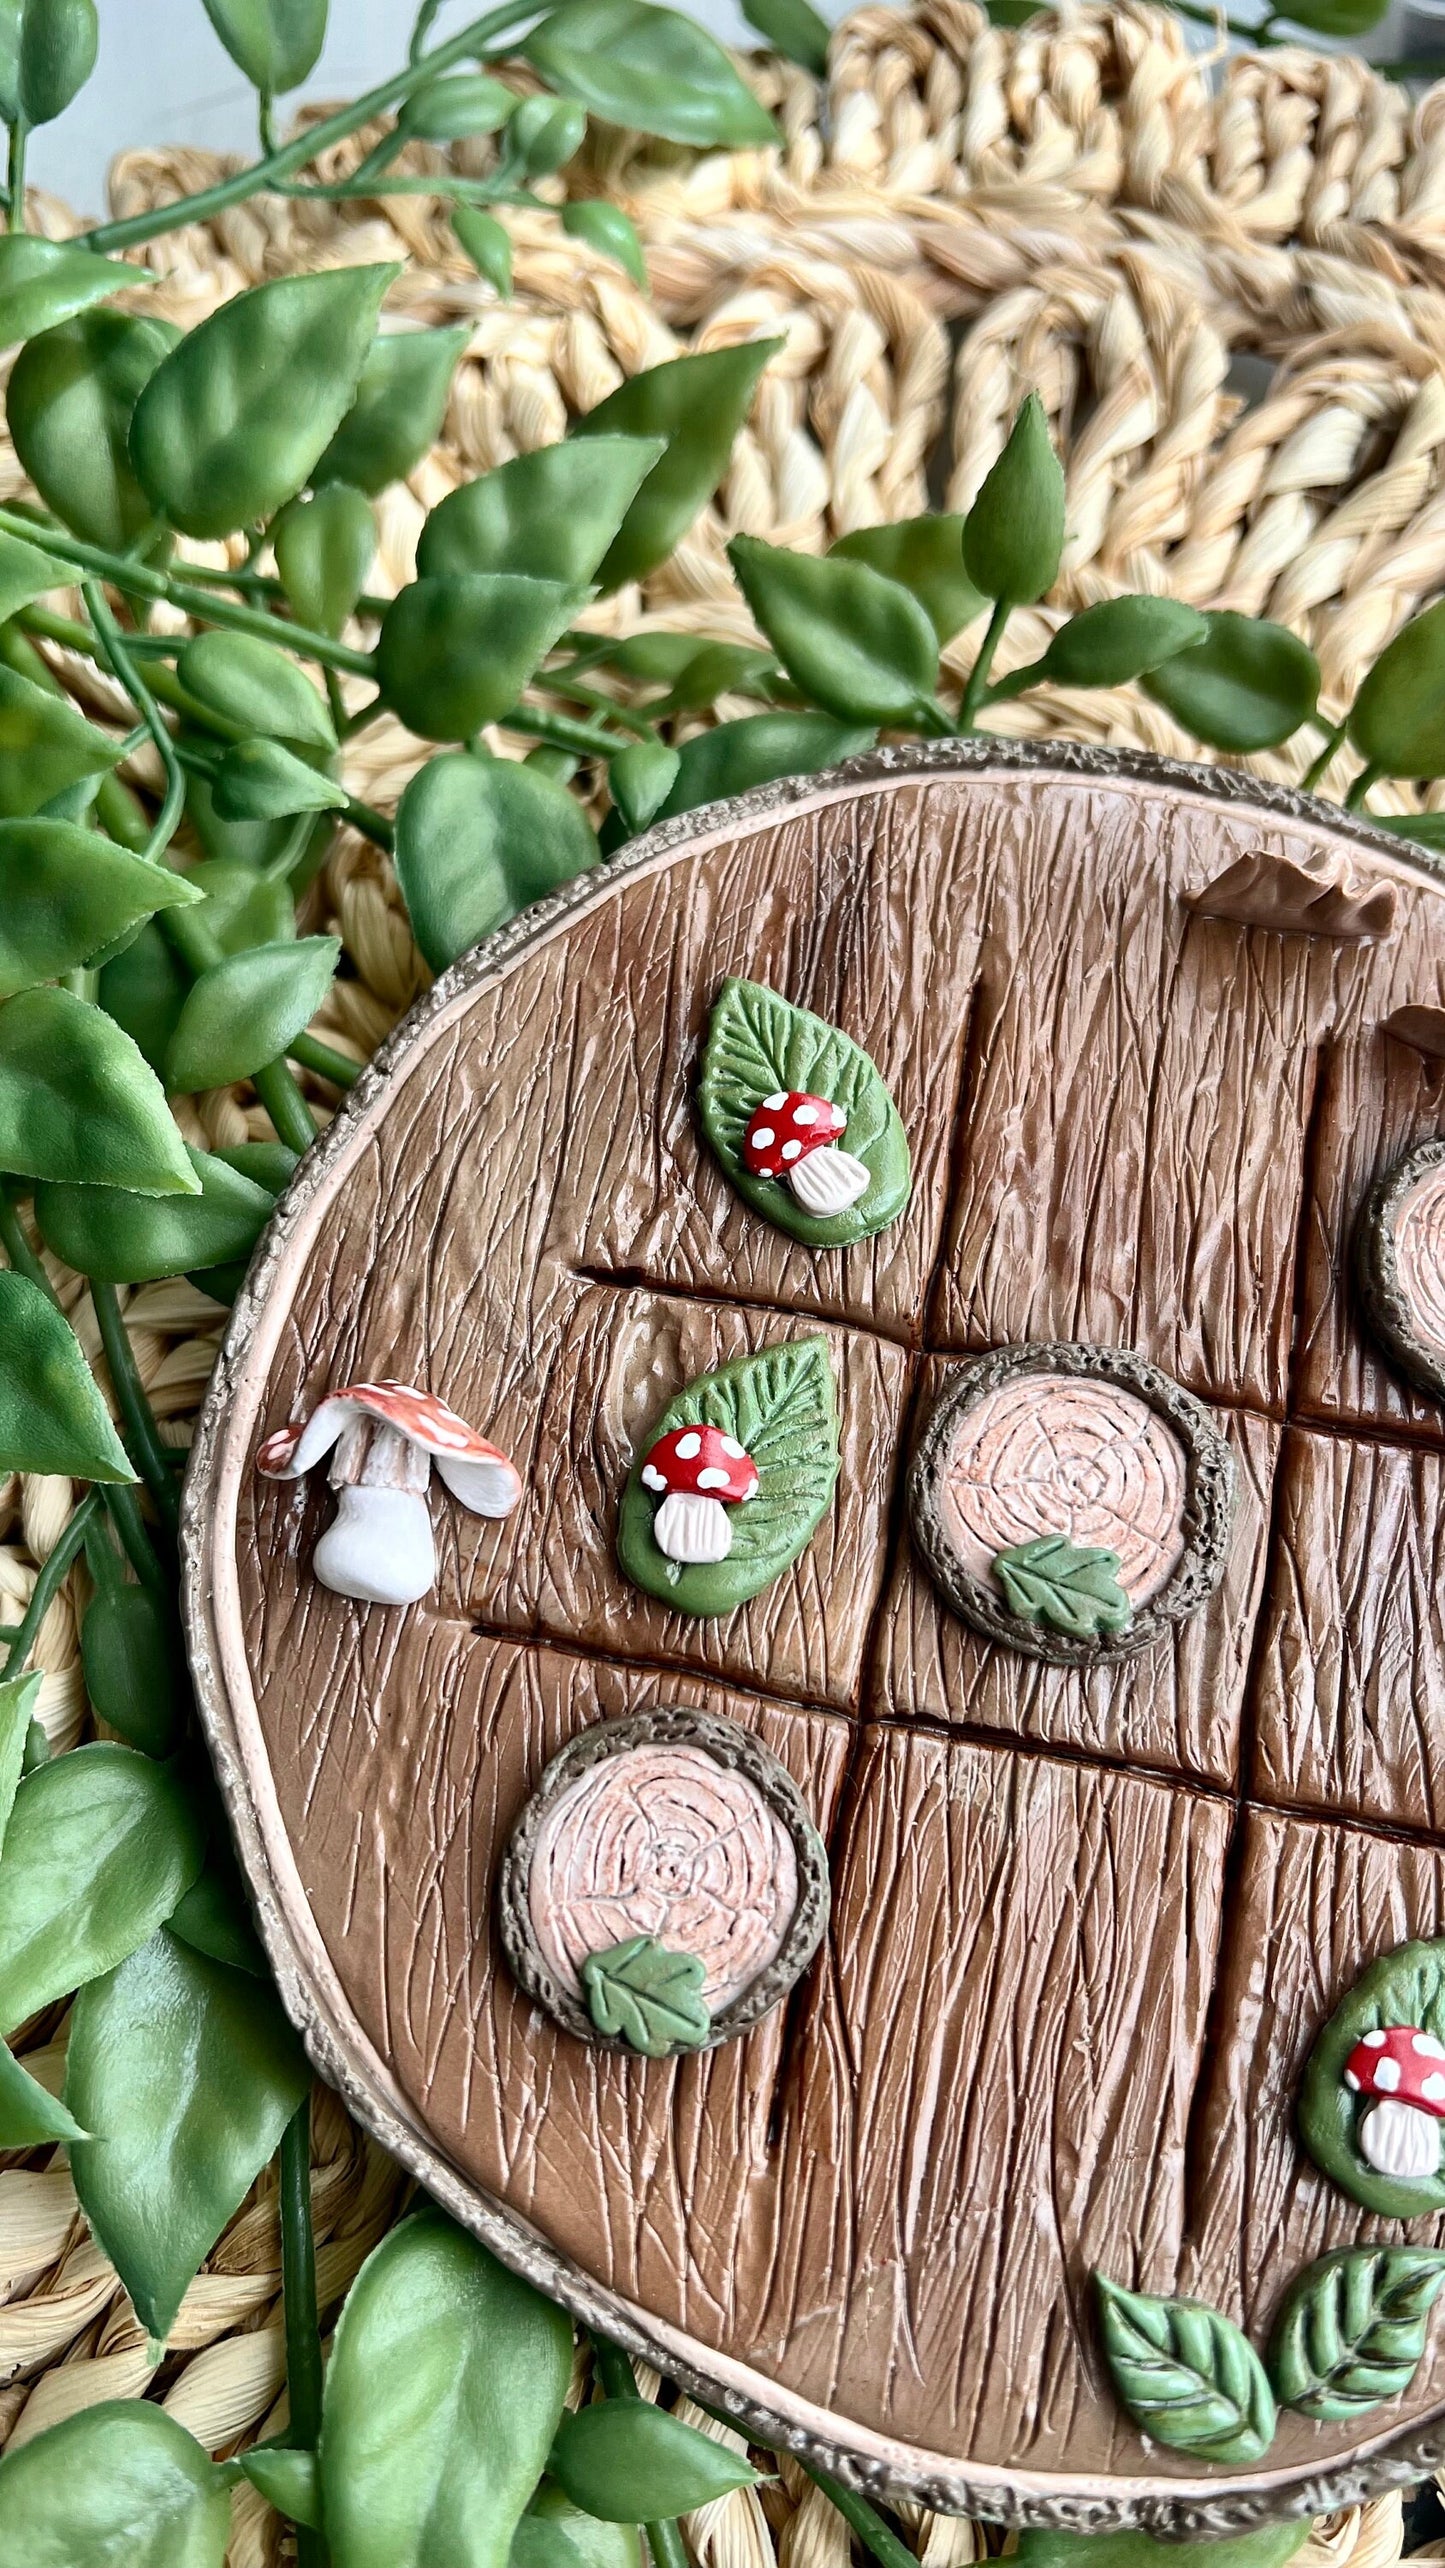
(761, 1051)
(1186, 2375)
(1402, 1988)
(1075, 1589)
(639, 1993)
(1351, 2329)
(779, 1407)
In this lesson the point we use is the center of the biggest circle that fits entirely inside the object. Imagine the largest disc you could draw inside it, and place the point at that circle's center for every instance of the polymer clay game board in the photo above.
(815, 1572)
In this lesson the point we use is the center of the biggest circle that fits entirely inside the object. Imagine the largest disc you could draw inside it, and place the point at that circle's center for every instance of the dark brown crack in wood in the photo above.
(1039, 2034)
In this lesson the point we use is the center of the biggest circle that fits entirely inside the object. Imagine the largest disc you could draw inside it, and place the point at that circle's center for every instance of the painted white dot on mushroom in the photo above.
(805, 1114)
(1387, 2076)
(763, 1136)
(792, 1150)
(778, 1098)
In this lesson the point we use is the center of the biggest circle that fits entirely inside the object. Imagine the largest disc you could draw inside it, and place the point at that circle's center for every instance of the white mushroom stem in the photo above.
(828, 1181)
(689, 1527)
(1399, 2139)
(379, 1547)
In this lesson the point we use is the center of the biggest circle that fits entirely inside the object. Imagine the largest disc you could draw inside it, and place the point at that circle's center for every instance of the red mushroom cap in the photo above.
(1400, 2062)
(477, 1472)
(702, 1462)
(788, 1127)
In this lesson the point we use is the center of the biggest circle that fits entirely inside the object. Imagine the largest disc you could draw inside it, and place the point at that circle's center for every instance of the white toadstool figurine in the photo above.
(794, 1136)
(379, 1547)
(1403, 2071)
(699, 1473)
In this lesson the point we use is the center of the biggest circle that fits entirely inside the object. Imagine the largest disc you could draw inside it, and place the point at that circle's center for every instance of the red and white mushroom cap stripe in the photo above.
(1400, 2062)
(478, 1473)
(787, 1127)
(700, 1462)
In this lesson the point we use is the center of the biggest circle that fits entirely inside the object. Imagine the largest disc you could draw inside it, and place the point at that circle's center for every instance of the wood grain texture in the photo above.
(1179, 1707)
(1029, 2041)
(1377, 1099)
(1350, 1712)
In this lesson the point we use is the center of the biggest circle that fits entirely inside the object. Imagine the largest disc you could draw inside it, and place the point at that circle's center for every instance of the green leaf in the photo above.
(1120, 639)
(400, 404)
(1338, 19)
(119, 2486)
(191, 2073)
(29, 2115)
(1406, 1986)
(650, 71)
(487, 243)
(1397, 721)
(26, 573)
(456, 653)
(780, 1406)
(44, 282)
(446, 110)
(288, 2480)
(213, 1917)
(70, 400)
(255, 844)
(1351, 2330)
(1269, 2547)
(641, 1994)
(244, 1012)
(264, 780)
(126, 1657)
(52, 1417)
(78, 1104)
(251, 683)
(1013, 535)
(759, 1045)
(853, 641)
(1186, 2375)
(19, 1699)
(45, 746)
(145, 988)
(443, 2394)
(132, 1239)
(477, 840)
(100, 1846)
(925, 556)
(718, 668)
(640, 778)
(794, 29)
(756, 750)
(58, 41)
(545, 132)
(275, 42)
(607, 229)
(1247, 686)
(697, 404)
(1066, 1585)
(553, 2533)
(1427, 828)
(232, 422)
(631, 2462)
(324, 548)
(66, 893)
(551, 514)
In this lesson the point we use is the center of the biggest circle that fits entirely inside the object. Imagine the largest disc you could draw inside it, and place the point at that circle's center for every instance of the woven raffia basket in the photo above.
(1227, 281)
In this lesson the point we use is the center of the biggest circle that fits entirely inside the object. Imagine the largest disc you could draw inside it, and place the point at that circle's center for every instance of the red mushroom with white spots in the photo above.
(383, 1438)
(795, 1137)
(1402, 2071)
(699, 1474)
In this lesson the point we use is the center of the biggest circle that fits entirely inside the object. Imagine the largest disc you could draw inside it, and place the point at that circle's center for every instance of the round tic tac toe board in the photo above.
(1086, 1919)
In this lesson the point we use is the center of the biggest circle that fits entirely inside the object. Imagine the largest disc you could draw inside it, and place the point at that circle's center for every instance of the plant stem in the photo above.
(48, 1579)
(152, 1457)
(978, 674)
(1316, 768)
(372, 824)
(134, 579)
(1354, 799)
(307, 147)
(295, 1124)
(107, 634)
(863, 2519)
(314, 1055)
(620, 2382)
(15, 174)
(562, 732)
(298, 2299)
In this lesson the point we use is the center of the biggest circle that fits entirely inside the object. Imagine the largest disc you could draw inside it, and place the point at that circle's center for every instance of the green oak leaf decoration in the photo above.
(1186, 2375)
(759, 1045)
(780, 1406)
(1351, 2329)
(641, 1994)
(1051, 1580)
(1406, 1986)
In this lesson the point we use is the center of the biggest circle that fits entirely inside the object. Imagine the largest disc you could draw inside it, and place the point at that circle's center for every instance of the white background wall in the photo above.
(163, 77)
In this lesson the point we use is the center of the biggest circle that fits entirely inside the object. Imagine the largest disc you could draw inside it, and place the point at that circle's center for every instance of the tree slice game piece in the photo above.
(1060, 1552)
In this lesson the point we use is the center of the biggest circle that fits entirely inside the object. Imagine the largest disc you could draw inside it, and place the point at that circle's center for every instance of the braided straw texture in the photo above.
(1227, 282)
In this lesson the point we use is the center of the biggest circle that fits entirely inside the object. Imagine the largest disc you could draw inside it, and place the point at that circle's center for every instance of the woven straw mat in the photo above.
(1227, 282)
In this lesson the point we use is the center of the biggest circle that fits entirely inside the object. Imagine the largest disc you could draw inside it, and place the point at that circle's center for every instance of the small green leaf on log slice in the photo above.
(1351, 2329)
(1186, 2375)
(1051, 1580)
(643, 1995)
